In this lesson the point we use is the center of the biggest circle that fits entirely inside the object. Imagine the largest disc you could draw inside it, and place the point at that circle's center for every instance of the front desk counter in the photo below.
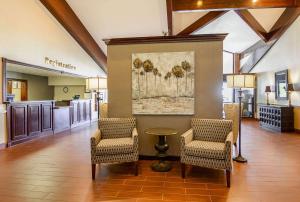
(30, 119)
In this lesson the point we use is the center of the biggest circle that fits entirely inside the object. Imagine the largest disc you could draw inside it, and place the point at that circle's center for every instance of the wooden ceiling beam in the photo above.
(68, 19)
(170, 16)
(253, 24)
(283, 23)
(187, 5)
(201, 22)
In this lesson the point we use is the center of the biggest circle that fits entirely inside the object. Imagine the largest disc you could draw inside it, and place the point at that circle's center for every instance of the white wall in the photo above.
(285, 54)
(28, 33)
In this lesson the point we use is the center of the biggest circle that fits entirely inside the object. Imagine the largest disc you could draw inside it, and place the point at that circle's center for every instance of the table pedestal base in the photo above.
(163, 166)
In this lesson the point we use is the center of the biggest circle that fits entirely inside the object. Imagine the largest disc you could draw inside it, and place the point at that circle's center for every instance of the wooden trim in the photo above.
(297, 130)
(237, 63)
(166, 39)
(253, 23)
(4, 80)
(3, 146)
(64, 14)
(187, 5)
(283, 23)
(202, 22)
(170, 16)
(42, 68)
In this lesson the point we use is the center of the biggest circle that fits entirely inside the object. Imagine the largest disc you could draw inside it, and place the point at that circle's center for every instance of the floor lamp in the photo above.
(95, 84)
(239, 81)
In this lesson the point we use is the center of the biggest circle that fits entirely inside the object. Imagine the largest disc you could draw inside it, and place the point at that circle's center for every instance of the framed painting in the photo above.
(163, 83)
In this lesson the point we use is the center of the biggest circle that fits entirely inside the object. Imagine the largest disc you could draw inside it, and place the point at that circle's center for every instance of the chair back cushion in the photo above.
(116, 127)
(212, 130)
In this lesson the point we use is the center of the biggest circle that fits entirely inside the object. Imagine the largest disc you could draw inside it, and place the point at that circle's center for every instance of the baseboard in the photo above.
(3, 146)
(168, 158)
(297, 130)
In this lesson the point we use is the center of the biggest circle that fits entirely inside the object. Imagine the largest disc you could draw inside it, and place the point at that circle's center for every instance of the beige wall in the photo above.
(30, 33)
(59, 94)
(65, 80)
(38, 88)
(208, 86)
(268, 79)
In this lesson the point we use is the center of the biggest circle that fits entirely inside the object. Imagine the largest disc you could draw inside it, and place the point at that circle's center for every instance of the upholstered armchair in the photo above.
(208, 144)
(115, 141)
(232, 113)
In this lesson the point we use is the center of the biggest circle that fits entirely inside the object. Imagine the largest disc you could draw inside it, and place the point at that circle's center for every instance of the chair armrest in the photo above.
(135, 136)
(135, 140)
(187, 137)
(229, 138)
(95, 139)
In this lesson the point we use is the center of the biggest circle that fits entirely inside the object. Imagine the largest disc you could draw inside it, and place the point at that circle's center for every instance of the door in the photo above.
(47, 120)
(34, 119)
(18, 122)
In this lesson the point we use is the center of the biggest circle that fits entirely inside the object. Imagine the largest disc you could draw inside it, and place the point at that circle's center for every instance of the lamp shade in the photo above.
(290, 87)
(241, 81)
(96, 83)
(268, 89)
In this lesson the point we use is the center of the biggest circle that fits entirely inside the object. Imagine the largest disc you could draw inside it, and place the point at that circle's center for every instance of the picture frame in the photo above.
(281, 82)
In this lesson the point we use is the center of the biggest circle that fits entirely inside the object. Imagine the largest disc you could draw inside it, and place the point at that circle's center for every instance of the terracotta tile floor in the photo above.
(57, 168)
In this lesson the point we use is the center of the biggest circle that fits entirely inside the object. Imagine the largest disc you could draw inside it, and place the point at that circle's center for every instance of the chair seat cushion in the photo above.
(204, 149)
(115, 146)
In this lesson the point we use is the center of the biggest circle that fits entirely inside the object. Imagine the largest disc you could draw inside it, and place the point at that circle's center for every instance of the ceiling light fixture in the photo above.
(199, 3)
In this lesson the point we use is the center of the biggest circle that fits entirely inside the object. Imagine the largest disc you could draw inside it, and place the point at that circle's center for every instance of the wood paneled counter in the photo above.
(31, 119)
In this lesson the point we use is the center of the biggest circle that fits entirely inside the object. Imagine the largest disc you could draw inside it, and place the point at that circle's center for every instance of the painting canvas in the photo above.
(163, 83)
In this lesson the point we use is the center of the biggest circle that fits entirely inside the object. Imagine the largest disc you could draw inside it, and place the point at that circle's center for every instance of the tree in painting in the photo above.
(137, 63)
(178, 73)
(187, 68)
(148, 67)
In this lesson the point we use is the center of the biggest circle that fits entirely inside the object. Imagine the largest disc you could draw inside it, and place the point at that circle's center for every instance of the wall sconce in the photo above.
(267, 91)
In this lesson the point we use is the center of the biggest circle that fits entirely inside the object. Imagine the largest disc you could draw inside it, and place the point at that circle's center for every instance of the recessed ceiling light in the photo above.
(199, 3)
(254, 1)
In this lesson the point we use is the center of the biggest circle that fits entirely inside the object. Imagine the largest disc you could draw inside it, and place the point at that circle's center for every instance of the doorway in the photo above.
(17, 90)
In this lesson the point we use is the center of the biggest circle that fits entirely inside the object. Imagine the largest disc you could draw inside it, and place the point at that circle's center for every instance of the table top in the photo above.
(161, 131)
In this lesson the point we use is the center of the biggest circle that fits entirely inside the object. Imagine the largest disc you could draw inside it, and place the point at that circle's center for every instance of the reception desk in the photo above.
(31, 119)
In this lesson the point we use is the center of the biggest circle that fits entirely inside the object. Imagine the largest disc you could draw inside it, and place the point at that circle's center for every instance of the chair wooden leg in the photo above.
(93, 171)
(228, 173)
(183, 170)
(136, 165)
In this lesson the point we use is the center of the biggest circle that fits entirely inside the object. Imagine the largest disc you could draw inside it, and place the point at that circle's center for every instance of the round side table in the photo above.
(161, 147)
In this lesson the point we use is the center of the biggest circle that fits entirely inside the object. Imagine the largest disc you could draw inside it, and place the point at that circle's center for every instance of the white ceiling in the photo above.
(35, 71)
(267, 17)
(120, 18)
(181, 20)
(240, 35)
(131, 18)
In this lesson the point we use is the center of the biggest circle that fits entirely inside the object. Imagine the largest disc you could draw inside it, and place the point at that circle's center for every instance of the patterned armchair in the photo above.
(115, 141)
(232, 113)
(208, 144)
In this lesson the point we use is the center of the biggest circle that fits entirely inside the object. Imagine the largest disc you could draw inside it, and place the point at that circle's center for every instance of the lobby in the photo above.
(138, 100)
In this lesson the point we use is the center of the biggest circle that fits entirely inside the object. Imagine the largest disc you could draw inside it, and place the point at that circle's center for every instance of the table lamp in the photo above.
(239, 81)
(267, 91)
